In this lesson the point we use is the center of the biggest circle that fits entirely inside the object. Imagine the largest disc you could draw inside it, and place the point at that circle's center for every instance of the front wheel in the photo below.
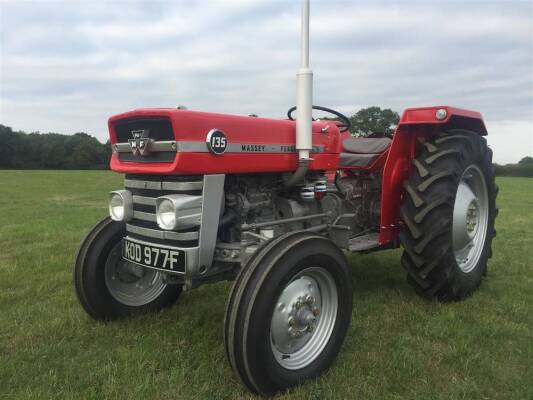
(109, 287)
(448, 215)
(288, 312)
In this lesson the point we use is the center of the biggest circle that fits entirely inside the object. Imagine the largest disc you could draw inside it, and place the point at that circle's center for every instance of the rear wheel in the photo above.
(288, 312)
(108, 286)
(448, 215)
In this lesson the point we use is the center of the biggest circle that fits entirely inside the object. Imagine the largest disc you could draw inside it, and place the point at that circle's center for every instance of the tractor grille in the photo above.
(157, 130)
(145, 189)
(160, 128)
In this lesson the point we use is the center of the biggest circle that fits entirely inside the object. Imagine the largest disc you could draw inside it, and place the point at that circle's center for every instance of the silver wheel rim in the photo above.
(129, 283)
(303, 318)
(470, 218)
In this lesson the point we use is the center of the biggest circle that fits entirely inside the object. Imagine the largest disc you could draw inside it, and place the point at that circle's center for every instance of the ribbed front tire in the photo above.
(109, 287)
(288, 312)
(448, 215)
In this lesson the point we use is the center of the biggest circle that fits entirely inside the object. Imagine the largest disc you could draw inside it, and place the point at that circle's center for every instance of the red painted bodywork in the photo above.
(194, 126)
(395, 163)
(415, 124)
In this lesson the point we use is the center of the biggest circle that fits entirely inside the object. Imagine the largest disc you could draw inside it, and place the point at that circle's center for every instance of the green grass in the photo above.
(398, 345)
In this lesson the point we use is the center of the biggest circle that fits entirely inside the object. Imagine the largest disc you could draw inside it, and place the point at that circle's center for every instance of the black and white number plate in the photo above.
(147, 255)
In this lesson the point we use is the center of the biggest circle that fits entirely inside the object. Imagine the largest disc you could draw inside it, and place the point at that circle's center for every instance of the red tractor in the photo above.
(275, 205)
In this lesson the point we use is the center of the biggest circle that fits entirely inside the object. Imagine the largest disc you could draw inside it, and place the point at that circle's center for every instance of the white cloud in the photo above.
(66, 66)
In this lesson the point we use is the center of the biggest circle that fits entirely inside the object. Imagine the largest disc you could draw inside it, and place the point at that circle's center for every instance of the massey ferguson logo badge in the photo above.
(140, 144)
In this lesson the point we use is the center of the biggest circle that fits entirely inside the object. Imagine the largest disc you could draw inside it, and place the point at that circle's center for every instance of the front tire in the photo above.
(288, 312)
(109, 287)
(448, 215)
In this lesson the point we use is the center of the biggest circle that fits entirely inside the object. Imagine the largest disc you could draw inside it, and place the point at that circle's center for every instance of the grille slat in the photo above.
(158, 234)
(156, 185)
(145, 189)
(144, 216)
(147, 201)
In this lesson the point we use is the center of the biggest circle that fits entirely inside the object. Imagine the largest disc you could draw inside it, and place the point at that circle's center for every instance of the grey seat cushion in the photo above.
(366, 145)
(361, 152)
(357, 160)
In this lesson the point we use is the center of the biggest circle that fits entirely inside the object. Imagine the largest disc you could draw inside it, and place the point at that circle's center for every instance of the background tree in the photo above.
(51, 151)
(370, 120)
(526, 161)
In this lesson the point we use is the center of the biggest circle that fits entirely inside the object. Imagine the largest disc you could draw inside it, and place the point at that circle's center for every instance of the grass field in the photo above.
(398, 346)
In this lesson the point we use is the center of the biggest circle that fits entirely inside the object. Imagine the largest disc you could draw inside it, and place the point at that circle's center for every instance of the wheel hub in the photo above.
(472, 218)
(303, 318)
(129, 283)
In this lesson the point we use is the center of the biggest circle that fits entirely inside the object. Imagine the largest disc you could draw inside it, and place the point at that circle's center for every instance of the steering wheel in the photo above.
(344, 124)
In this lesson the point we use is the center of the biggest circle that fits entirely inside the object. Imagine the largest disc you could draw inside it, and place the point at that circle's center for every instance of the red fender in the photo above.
(415, 123)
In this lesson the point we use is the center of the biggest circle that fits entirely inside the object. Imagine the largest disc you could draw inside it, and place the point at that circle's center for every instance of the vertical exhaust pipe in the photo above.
(304, 102)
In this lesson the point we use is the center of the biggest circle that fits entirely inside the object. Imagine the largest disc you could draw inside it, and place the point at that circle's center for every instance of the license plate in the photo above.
(153, 256)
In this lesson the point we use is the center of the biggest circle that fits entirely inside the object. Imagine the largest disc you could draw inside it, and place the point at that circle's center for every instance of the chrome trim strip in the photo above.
(158, 185)
(164, 145)
(144, 216)
(201, 147)
(147, 201)
(161, 234)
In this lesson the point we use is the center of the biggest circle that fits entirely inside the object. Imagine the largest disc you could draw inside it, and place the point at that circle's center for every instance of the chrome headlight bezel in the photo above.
(121, 205)
(178, 211)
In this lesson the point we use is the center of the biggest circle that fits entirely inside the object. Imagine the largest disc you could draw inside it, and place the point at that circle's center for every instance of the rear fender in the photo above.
(416, 124)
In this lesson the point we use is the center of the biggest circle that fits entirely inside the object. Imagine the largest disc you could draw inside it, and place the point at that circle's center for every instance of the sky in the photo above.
(67, 66)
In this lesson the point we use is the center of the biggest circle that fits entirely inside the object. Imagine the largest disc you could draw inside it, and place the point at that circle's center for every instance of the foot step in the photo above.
(364, 242)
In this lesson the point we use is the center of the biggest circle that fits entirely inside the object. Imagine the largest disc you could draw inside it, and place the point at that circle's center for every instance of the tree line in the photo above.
(20, 150)
(524, 167)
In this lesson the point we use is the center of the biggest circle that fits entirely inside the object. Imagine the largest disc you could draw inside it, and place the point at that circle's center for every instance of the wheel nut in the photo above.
(316, 312)
(292, 322)
(310, 299)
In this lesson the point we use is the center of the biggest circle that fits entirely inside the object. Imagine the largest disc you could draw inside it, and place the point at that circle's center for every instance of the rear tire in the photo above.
(448, 215)
(288, 312)
(108, 287)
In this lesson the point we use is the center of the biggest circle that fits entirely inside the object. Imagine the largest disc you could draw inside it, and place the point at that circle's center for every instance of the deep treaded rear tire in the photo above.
(427, 215)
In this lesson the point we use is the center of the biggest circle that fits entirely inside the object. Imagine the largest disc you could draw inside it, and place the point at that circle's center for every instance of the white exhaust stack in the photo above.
(304, 91)
(304, 105)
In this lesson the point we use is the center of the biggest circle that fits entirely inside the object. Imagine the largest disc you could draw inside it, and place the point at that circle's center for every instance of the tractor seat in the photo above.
(361, 152)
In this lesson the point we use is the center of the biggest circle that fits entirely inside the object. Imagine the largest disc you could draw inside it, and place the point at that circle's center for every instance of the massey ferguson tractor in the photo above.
(275, 205)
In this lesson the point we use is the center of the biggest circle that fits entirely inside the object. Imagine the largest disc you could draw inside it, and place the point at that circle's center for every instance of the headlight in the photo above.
(166, 214)
(178, 211)
(120, 205)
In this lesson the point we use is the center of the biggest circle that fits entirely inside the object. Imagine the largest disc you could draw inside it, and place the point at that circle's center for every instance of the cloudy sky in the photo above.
(66, 66)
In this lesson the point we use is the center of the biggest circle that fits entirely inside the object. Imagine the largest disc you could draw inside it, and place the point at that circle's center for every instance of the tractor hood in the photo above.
(183, 142)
